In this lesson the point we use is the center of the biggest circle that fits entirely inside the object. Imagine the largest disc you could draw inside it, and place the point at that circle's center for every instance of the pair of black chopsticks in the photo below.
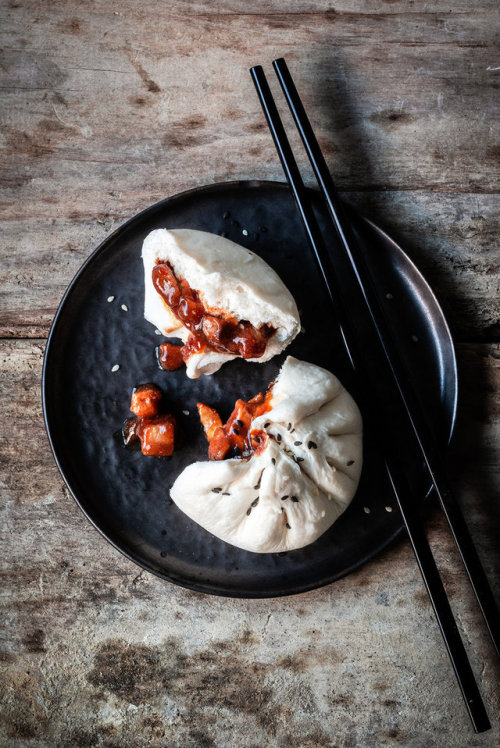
(374, 355)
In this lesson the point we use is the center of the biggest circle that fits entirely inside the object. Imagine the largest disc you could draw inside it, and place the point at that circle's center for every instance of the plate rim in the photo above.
(200, 586)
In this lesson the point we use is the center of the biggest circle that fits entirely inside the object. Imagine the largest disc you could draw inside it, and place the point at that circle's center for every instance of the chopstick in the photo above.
(420, 425)
(355, 317)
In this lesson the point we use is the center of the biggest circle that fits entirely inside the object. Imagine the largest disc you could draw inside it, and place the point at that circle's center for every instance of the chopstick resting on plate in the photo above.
(378, 365)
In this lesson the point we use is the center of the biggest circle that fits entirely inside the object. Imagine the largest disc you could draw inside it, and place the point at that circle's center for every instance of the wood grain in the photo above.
(63, 585)
(108, 107)
(394, 113)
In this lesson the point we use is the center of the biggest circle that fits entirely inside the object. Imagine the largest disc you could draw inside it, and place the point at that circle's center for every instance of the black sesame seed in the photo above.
(236, 431)
(287, 525)
(248, 511)
(226, 493)
(240, 423)
(297, 444)
(294, 499)
(292, 431)
(255, 501)
(299, 459)
(351, 462)
(256, 439)
(312, 445)
(284, 497)
(278, 437)
(266, 425)
(216, 490)
(273, 461)
(289, 427)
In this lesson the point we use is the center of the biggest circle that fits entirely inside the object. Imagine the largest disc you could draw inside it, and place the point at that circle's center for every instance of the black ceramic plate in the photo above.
(125, 494)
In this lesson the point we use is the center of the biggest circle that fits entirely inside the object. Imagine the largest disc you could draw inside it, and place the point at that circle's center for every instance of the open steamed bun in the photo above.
(300, 479)
(231, 282)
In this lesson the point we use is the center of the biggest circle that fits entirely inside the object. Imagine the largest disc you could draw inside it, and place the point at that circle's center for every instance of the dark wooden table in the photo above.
(107, 107)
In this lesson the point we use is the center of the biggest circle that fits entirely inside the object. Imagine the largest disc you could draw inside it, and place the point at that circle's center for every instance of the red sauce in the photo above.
(207, 331)
(170, 357)
(234, 437)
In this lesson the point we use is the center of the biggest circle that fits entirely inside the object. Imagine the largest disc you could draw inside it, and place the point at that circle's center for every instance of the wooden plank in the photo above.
(452, 239)
(350, 29)
(95, 644)
(389, 128)
(194, 8)
(392, 112)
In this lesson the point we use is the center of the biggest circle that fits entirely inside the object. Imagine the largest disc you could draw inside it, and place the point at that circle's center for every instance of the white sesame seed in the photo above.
(110, 299)
(244, 232)
(389, 296)
(158, 332)
(323, 513)
(185, 412)
(125, 307)
(388, 509)
(115, 367)
(366, 510)
(302, 329)
(414, 338)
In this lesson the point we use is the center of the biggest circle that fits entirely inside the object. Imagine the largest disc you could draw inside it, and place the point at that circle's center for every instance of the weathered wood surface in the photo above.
(108, 107)
(95, 648)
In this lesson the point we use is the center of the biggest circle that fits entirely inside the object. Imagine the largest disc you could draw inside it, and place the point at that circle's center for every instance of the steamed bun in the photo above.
(230, 280)
(301, 478)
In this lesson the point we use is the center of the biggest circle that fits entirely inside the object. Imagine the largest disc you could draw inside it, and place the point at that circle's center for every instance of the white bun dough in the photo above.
(314, 459)
(228, 278)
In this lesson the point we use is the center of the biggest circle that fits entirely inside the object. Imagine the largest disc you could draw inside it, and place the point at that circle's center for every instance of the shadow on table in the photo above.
(469, 461)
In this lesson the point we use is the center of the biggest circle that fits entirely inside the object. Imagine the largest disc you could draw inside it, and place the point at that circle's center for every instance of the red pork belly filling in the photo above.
(234, 438)
(208, 331)
(155, 431)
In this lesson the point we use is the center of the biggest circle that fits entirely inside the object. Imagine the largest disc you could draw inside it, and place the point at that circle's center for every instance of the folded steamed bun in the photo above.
(229, 279)
(292, 489)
